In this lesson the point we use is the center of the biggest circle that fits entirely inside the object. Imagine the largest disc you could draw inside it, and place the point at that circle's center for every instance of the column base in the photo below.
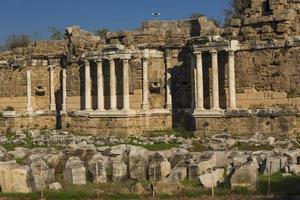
(169, 106)
(53, 107)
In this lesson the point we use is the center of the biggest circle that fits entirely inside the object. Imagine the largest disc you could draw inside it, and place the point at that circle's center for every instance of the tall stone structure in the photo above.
(242, 79)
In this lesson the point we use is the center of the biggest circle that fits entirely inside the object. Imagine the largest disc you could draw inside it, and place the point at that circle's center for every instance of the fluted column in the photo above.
(113, 85)
(232, 90)
(52, 95)
(29, 99)
(100, 88)
(87, 83)
(199, 74)
(126, 84)
(168, 83)
(64, 90)
(145, 104)
(215, 80)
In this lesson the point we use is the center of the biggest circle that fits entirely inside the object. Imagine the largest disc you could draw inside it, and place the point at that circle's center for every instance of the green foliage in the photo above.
(9, 108)
(17, 40)
(236, 10)
(280, 185)
(247, 147)
(55, 33)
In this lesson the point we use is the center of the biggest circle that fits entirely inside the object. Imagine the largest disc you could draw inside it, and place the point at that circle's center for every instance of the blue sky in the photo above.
(34, 17)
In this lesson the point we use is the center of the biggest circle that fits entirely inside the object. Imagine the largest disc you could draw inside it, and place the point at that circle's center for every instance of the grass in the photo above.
(199, 148)
(178, 130)
(280, 185)
(247, 147)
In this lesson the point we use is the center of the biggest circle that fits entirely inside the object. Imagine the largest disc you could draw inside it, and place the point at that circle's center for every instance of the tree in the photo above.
(55, 33)
(101, 32)
(14, 40)
(236, 10)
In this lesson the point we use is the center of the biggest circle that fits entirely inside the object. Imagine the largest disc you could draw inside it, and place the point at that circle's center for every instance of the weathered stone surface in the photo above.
(245, 176)
(159, 169)
(138, 163)
(119, 171)
(19, 176)
(42, 175)
(75, 172)
(98, 166)
(55, 186)
(212, 178)
(274, 164)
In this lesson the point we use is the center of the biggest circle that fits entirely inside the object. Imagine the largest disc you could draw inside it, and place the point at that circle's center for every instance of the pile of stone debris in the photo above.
(28, 170)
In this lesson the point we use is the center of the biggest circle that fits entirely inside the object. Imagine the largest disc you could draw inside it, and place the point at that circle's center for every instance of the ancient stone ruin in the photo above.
(220, 83)
(241, 79)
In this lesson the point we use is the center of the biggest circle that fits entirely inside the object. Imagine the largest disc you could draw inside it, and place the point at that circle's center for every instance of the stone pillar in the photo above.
(64, 90)
(29, 99)
(126, 84)
(232, 90)
(100, 88)
(87, 83)
(215, 80)
(193, 93)
(168, 83)
(113, 85)
(199, 87)
(145, 104)
(52, 95)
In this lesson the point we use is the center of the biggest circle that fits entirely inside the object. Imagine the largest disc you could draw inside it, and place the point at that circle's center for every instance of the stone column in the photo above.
(145, 104)
(64, 90)
(100, 88)
(193, 93)
(87, 83)
(199, 87)
(215, 79)
(29, 99)
(52, 95)
(168, 84)
(232, 90)
(126, 84)
(113, 85)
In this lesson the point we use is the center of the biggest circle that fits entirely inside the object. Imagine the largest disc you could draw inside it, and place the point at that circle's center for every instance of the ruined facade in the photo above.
(242, 79)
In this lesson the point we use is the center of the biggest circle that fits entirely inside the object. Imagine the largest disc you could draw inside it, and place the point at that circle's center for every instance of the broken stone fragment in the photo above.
(75, 172)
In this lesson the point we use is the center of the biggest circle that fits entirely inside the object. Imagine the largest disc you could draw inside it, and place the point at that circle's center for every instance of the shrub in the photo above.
(9, 108)
(14, 41)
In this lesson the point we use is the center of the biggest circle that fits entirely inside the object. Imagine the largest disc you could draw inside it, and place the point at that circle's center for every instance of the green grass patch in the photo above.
(199, 148)
(246, 147)
(280, 185)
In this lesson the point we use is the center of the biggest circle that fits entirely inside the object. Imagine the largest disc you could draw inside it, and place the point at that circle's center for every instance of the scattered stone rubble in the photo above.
(33, 169)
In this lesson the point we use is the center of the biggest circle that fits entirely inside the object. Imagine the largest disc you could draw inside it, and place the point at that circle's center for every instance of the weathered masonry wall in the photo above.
(117, 126)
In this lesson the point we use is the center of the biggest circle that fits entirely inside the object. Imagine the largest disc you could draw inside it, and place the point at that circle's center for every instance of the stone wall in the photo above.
(25, 122)
(117, 126)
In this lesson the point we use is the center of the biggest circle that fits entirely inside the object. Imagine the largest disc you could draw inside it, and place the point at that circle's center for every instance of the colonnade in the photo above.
(198, 89)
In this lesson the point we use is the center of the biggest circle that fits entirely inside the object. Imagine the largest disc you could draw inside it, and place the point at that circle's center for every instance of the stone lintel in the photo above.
(208, 113)
(121, 113)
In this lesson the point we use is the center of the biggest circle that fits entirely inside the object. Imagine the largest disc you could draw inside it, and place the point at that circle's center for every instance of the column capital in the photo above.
(197, 52)
(51, 66)
(98, 60)
(213, 51)
(86, 62)
(231, 52)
